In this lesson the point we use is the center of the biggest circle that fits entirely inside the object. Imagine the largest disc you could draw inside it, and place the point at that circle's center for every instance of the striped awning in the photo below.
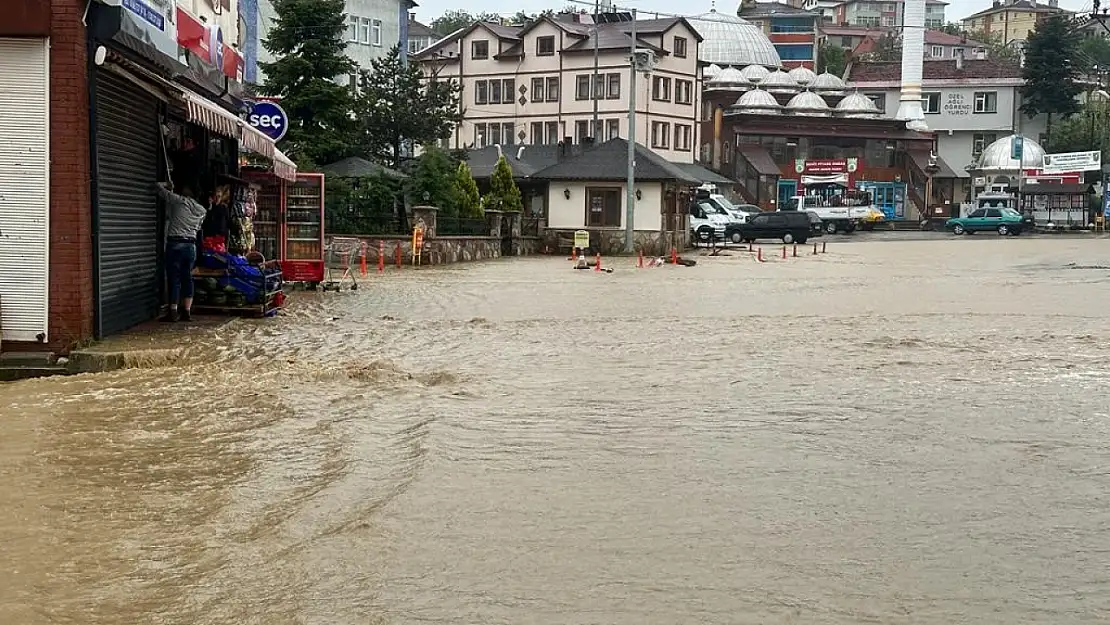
(206, 114)
(255, 141)
(283, 167)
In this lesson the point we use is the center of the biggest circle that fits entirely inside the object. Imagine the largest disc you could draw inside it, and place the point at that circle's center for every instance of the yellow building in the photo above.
(1011, 20)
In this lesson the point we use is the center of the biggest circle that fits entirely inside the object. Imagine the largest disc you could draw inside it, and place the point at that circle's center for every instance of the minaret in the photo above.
(913, 55)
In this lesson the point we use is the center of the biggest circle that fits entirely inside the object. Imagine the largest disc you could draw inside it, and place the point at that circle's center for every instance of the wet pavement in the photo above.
(900, 434)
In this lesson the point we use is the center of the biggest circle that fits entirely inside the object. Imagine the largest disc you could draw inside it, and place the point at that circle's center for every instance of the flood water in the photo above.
(895, 433)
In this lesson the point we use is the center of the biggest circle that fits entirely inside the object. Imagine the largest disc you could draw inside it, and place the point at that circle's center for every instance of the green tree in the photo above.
(1049, 71)
(433, 182)
(1093, 57)
(503, 193)
(455, 19)
(831, 59)
(307, 40)
(466, 190)
(887, 48)
(1084, 131)
(362, 205)
(997, 48)
(398, 107)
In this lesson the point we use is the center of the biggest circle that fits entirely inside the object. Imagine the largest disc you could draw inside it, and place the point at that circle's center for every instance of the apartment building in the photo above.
(792, 31)
(1012, 20)
(938, 44)
(373, 28)
(534, 84)
(967, 103)
(420, 36)
(886, 13)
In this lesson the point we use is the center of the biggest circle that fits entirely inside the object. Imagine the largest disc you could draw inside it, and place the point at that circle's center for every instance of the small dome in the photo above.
(780, 82)
(759, 102)
(808, 103)
(802, 75)
(730, 40)
(828, 83)
(857, 105)
(996, 156)
(755, 74)
(711, 71)
(727, 78)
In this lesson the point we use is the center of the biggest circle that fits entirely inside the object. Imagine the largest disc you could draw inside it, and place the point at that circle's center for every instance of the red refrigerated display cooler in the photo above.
(289, 224)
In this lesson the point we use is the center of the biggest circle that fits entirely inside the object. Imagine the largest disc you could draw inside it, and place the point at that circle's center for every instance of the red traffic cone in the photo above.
(640, 260)
(597, 263)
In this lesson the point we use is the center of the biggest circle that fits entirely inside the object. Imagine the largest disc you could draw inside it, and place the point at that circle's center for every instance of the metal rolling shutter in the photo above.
(127, 146)
(24, 188)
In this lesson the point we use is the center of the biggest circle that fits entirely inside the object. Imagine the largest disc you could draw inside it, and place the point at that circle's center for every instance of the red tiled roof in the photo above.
(935, 70)
(941, 38)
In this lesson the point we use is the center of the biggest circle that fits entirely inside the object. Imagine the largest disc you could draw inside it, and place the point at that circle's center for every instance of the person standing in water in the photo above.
(184, 216)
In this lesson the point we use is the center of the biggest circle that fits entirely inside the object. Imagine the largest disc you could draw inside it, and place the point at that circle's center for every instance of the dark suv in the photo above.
(790, 226)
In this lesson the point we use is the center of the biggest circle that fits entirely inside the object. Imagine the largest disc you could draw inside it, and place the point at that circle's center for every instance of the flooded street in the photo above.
(891, 433)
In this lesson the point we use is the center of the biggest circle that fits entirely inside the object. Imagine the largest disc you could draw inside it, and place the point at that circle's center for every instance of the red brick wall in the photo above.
(25, 18)
(71, 252)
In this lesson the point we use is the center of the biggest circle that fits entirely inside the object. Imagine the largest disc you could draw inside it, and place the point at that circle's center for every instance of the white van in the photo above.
(707, 223)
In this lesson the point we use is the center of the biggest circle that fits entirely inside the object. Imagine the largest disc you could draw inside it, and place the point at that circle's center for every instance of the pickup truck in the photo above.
(833, 218)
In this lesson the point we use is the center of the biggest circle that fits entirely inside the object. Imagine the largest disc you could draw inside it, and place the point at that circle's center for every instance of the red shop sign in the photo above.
(198, 38)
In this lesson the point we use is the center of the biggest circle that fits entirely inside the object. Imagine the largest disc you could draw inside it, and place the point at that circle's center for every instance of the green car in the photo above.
(1001, 220)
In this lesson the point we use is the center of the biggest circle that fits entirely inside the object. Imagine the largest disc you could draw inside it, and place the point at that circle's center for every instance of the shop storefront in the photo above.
(24, 189)
(149, 127)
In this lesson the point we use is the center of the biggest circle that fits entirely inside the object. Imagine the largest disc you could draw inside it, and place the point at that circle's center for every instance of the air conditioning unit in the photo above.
(643, 59)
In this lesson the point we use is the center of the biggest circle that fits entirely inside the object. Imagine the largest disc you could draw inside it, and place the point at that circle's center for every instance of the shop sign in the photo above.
(827, 166)
(207, 43)
(1072, 161)
(1017, 145)
(957, 104)
(155, 18)
(269, 119)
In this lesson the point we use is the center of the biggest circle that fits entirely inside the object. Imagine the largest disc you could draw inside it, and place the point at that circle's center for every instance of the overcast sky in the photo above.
(430, 9)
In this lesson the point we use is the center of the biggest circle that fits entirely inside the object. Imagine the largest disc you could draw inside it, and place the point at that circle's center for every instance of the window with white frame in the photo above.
(930, 102)
(683, 92)
(352, 29)
(553, 89)
(980, 141)
(661, 135)
(683, 134)
(538, 93)
(552, 131)
(936, 52)
(364, 30)
(494, 131)
(582, 88)
(480, 138)
(612, 129)
(613, 90)
(508, 133)
(376, 33)
(581, 131)
(537, 133)
(661, 89)
(481, 92)
(986, 102)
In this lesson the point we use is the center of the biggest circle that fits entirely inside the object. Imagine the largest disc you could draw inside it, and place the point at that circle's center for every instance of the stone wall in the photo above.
(610, 241)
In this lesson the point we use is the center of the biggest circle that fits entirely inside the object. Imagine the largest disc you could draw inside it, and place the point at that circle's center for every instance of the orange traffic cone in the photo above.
(597, 263)
(381, 257)
(674, 256)
(362, 268)
(574, 253)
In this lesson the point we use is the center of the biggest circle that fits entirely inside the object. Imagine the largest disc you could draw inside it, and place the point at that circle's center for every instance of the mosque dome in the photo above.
(779, 82)
(997, 156)
(728, 40)
(711, 71)
(808, 103)
(759, 102)
(802, 75)
(857, 105)
(754, 74)
(727, 78)
(828, 83)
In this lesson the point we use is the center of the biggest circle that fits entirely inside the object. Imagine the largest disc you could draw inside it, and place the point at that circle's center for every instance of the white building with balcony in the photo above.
(534, 84)
(885, 13)
(969, 104)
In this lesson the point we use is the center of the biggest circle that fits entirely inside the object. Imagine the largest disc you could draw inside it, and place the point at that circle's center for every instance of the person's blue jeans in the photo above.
(180, 258)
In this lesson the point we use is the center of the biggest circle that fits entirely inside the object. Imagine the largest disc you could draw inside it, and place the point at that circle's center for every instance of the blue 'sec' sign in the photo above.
(269, 119)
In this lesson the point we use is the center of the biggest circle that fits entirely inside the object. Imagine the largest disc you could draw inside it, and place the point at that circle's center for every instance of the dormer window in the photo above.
(545, 46)
(479, 49)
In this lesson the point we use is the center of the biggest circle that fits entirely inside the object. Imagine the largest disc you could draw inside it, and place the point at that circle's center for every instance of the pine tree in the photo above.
(1049, 71)
(307, 40)
(470, 202)
(433, 183)
(397, 107)
(503, 193)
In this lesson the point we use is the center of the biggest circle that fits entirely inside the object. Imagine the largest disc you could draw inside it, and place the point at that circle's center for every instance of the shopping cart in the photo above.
(342, 254)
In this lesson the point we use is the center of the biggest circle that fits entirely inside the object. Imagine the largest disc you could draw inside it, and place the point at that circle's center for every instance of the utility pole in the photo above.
(630, 207)
(597, 34)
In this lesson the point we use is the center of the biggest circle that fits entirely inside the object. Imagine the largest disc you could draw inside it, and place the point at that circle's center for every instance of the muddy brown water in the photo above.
(895, 433)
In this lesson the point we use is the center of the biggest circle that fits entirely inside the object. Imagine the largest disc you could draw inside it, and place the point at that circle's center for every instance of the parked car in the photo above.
(1002, 220)
(707, 224)
(816, 224)
(790, 226)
